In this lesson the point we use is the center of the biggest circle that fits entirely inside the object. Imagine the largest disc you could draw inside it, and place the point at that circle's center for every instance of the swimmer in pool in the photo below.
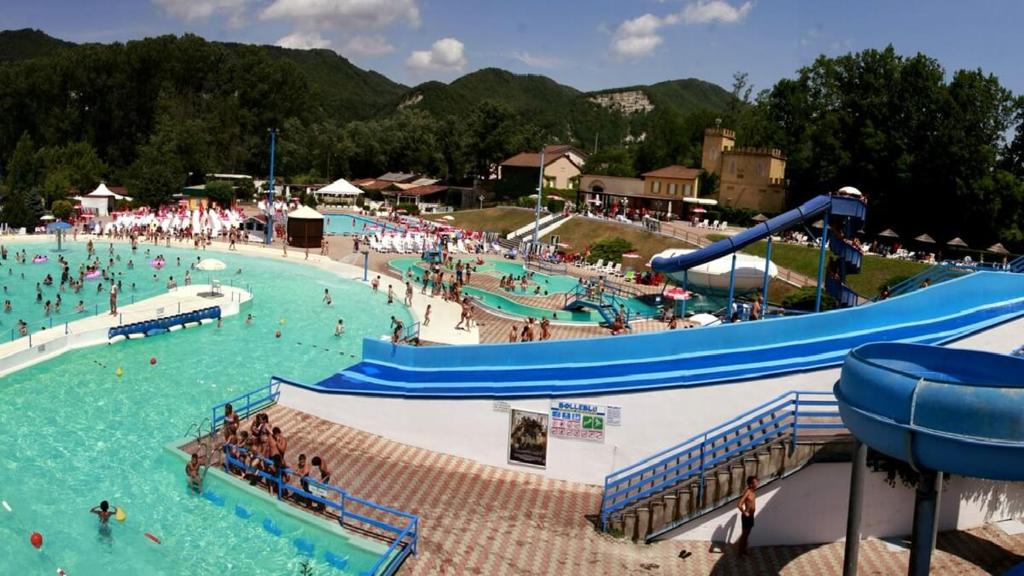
(104, 511)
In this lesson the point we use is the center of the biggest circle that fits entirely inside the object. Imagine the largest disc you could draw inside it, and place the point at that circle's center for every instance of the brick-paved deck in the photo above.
(485, 520)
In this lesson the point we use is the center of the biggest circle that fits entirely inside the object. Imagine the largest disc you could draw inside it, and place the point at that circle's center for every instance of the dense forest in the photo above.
(934, 151)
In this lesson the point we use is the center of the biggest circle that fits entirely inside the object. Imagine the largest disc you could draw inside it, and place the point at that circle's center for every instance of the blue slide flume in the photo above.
(942, 409)
(809, 211)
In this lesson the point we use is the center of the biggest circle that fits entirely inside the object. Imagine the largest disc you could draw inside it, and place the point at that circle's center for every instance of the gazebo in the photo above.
(340, 191)
(101, 200)
(305, 228)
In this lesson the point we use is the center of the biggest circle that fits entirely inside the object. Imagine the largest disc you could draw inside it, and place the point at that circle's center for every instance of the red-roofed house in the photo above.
(663, 193)
(562, 168)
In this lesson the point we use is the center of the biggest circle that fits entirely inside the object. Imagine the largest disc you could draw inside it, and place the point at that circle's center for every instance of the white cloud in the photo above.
(706, 12)
(324, 14)
(304, 41)
(639, 37)
(367, 46)
(535, 61)
(202, 9)
(447, 54)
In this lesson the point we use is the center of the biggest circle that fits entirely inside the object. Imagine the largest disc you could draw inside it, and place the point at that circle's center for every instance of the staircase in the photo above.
(1016, 265)
(663, 492)
(933, 275)
(852, 213)
(607, 303)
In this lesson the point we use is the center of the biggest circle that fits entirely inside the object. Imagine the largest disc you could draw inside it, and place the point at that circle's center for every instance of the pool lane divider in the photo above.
(159, 326)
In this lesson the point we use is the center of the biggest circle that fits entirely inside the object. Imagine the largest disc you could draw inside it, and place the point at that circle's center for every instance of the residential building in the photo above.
(562, 168)
(751, 178)
(664, 193)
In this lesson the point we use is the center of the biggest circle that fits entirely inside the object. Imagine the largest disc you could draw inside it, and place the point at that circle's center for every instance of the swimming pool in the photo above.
(504, 305)
(348, 224)
(549, 284)
(77, 434)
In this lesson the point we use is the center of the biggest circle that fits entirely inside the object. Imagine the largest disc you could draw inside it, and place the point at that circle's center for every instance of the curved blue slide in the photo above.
(681, 358)
(809, 211)
(942, 409)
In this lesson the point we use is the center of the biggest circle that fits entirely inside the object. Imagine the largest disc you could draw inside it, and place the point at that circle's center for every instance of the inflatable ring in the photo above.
(158, 264)
(93, 275)
(40, 259)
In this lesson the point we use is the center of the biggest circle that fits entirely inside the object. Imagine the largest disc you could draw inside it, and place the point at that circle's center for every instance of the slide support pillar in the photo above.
(926, 522)
(764, 283)
(821, 261)
(686, 288)
(853, 514)
(732, 285)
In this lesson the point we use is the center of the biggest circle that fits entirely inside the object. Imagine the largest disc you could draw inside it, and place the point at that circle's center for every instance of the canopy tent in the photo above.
(760, 218)
(957, 243)
(925, 239)
(101, 200)
(340, 189)
(305, 228)
(998, 248)
(888, 233)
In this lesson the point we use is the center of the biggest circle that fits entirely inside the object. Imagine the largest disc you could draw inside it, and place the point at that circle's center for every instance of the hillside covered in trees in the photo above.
(935, 151)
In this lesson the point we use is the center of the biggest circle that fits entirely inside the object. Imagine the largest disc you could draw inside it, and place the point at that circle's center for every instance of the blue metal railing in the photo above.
(933, 274)
(1016, 265)
(782, 417)
(411, 332)
(246, 404)
(406, 526)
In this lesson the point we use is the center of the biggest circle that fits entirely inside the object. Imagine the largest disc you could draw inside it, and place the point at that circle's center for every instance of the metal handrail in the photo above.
(387, 560)
(766, 423)
(270, 392)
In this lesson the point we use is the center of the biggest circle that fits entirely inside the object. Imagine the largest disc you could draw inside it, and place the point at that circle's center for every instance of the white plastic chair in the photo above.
(597, 265)
(724, 225)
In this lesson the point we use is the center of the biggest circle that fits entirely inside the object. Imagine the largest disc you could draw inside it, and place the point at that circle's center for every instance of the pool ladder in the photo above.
(202, 429)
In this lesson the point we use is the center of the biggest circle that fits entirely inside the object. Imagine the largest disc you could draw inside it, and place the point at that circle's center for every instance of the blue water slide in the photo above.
(808, 211)
(680, 358)
(942, 409)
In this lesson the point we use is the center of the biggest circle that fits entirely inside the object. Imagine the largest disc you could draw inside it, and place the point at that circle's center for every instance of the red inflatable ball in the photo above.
(152, 360)
(36, 539)
(277, 334)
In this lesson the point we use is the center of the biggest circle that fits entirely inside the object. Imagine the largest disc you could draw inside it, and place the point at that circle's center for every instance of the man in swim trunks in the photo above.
(747, 506)
(113, 299)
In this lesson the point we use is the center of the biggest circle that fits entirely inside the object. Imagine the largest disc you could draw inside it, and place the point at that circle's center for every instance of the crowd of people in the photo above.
(261, 451)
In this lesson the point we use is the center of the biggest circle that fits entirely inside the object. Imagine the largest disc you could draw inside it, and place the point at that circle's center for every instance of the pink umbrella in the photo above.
(630, 255)
(677, 293)
(698, 210)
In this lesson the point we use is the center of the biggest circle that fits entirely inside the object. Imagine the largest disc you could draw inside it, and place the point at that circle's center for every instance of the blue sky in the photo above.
(588, 44)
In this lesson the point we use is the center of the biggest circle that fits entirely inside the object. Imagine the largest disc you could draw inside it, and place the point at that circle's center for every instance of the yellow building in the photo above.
(751, 178)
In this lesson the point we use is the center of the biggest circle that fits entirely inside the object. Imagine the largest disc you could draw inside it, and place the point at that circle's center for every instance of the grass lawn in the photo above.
(874, 271)
(581, 232)
(500, 219)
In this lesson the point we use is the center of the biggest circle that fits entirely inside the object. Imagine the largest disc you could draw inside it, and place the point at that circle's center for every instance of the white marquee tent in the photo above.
(339, 190)
(100, 200)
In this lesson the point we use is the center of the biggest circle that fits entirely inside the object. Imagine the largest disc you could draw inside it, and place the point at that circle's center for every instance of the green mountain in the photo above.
(350, 92)
(28, 43)
(684, 96)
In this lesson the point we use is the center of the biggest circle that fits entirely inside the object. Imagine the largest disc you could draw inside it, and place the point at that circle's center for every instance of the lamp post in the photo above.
(270, 189)
(481, 199)
(366, 264)
(540, 192)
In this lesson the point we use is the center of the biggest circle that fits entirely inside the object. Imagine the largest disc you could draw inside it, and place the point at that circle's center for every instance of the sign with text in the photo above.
(578, 420)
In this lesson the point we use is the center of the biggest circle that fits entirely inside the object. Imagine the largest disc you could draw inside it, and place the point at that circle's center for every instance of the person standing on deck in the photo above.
(113, 298)
(747, 507)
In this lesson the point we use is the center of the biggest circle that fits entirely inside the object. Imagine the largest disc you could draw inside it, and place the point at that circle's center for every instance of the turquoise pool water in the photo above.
(511, 307)
(77, 434)
(497, 268)
(348, 224)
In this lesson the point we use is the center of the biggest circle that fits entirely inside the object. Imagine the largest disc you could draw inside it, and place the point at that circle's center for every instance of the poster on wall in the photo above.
(528, 438)
(577, 421)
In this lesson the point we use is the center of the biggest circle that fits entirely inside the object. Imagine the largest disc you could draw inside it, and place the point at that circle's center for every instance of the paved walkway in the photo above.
(485, 520)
